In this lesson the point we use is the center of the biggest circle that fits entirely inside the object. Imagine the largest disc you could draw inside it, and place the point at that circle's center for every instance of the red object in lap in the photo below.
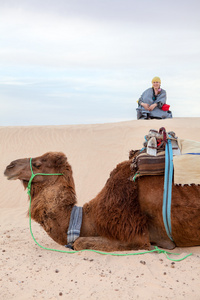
(165, 107)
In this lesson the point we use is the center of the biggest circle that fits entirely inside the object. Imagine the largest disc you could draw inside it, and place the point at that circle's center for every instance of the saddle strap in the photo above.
(167, 194)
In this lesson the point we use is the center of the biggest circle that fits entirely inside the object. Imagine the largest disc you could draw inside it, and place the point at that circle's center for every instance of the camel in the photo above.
(125, 215)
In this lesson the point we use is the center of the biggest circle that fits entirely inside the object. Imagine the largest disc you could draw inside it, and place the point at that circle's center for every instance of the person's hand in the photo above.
(145, 105)
(152, 106)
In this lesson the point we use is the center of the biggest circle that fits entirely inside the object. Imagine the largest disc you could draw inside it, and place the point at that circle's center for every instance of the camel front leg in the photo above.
(104, 244)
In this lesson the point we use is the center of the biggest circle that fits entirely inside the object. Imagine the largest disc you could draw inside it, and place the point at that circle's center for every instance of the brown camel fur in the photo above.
(125, 215)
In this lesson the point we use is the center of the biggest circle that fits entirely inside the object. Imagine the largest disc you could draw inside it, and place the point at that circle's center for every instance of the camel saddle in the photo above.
(151, 159)
(186, 157)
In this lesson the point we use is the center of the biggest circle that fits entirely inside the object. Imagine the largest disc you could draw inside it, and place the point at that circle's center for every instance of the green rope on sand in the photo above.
(159, 251)
(91, 250)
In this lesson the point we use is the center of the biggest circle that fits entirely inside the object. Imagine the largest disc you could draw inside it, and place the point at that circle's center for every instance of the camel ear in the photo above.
(61, 165)
(59, 160)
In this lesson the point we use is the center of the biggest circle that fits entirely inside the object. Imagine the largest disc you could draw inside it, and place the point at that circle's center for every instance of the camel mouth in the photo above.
(11, 173)
(11, 177)
(7, 171)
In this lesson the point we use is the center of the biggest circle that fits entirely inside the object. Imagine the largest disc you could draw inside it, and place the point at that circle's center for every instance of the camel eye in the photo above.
(37, 165)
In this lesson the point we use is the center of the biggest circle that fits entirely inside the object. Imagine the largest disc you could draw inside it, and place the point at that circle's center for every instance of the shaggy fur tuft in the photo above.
(118, 214)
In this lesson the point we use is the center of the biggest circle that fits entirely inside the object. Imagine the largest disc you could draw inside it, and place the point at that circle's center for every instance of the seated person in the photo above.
(152, 103)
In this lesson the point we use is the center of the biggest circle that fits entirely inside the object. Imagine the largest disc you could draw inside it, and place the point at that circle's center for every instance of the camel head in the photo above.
(52, 195)
(48, 163)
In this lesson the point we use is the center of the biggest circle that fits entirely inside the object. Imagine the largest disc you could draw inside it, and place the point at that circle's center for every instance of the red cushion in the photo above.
(165, 107)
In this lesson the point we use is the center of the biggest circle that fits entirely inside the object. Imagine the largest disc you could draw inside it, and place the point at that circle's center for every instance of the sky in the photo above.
(88, 61)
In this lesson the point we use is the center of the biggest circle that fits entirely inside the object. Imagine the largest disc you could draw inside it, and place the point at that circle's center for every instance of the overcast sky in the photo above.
(88, 61)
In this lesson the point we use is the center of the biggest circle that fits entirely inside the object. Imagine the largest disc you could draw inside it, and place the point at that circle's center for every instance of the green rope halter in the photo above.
(33, 175)
(89, 250)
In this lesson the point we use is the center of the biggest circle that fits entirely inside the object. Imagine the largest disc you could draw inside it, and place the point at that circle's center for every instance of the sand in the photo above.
(29, 272)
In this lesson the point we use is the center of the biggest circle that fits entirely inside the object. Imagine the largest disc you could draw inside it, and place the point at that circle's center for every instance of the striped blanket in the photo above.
(150, 165)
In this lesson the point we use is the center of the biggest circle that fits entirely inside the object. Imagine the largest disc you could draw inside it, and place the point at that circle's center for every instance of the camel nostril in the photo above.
(10, 166)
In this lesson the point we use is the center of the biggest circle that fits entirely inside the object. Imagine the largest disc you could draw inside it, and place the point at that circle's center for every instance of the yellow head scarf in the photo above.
(156, 79)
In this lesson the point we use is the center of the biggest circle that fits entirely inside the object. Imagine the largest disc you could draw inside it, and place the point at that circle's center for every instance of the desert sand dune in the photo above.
(29, 272)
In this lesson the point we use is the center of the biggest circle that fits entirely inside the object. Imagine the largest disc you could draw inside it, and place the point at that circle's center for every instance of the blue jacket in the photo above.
(147, 97)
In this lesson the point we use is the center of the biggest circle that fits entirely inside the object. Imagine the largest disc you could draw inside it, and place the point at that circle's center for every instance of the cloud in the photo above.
(65, 38)
(161, 13)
